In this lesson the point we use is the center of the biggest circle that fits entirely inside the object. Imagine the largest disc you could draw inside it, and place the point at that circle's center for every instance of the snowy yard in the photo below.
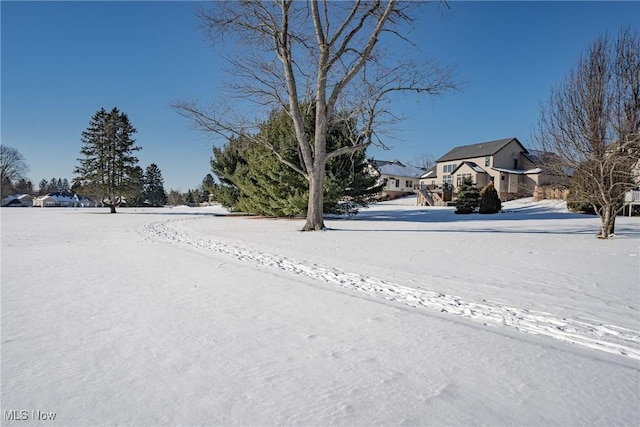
(401, 315)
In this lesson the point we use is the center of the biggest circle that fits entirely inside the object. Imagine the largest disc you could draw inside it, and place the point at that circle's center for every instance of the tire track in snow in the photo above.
(592, 334)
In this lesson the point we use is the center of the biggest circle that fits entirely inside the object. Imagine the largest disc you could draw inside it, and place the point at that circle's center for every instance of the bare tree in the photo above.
(592, 123)
(424, 160)
(12, 167)
(289, 53)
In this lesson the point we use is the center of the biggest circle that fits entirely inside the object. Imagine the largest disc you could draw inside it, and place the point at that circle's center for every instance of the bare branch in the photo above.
(287, 53)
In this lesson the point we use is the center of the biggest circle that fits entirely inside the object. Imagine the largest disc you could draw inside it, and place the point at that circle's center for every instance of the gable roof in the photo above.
(474, 167)
(397, 168)
(482, 149)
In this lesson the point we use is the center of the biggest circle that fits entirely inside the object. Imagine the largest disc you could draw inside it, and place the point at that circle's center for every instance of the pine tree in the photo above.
(107, 167)
(53, 186)
(467, 197)
(43, 187)
(489, 200)
(136, 196)
(23, 186)
(209, 187)
(255, 179)
(64, 185)
(154, 192)
(209, 183)
(189, 199)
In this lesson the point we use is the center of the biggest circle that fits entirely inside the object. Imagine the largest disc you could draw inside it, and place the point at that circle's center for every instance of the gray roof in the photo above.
(488, 148)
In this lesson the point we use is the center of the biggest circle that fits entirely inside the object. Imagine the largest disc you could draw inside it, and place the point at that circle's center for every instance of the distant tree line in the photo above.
(54, 185)
(202, 194)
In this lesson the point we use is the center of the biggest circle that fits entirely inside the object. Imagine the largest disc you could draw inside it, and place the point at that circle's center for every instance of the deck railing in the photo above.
(632, 197)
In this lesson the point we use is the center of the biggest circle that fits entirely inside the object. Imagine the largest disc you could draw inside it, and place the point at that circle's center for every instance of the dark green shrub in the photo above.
(489, 200)
(467, 197)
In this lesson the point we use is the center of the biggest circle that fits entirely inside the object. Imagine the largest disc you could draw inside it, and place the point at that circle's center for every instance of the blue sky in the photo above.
(62, 61)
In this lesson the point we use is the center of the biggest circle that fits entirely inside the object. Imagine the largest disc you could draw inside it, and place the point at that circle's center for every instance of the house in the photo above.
(18, 200)
(514, 171)
(398, 178)
(57, 200)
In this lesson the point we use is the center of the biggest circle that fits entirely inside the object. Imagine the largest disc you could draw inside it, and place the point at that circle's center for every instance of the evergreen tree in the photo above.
(199, 195)
(209, 187)
(209, 183)
(23, 186)
(108, 161)
(189, 199)
(43, 187)
(64, 185)
(254, 177)
(136, 196)
(489, 200)
(154, 192)
(75, 188)
(467, 197)
(53, 186)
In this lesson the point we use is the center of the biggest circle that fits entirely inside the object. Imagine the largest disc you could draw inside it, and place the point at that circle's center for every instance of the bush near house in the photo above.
(467, 198)
(489, 201)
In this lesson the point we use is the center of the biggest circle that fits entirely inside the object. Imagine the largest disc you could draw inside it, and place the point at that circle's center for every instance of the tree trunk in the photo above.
(113, 208)
(612, 221)
(315, 217)
(606, 222)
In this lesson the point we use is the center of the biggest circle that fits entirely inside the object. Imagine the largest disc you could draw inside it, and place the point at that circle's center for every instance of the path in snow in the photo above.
(592, 334)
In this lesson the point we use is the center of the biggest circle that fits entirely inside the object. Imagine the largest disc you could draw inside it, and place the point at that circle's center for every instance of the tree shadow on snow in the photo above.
(502, 222)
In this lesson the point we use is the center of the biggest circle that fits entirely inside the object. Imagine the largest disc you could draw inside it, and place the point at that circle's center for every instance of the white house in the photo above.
(57, 200)
(398, 178)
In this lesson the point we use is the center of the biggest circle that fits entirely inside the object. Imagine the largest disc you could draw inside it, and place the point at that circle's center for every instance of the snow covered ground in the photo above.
(401, 315)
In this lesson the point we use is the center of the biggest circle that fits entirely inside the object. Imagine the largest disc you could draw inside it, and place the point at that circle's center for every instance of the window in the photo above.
(449, 168)
(515, 163)
(397, 183)
(447, 180)
(408, 184)
(487, 161)
(461, 177)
